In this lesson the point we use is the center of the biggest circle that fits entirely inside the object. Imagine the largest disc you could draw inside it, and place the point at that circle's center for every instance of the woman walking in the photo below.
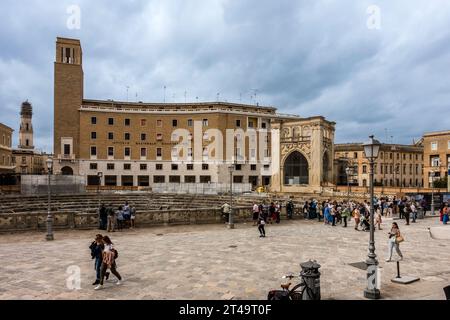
(445, 213)
(109, 262)
(378, 219)
(394, 240)
(261, 224)
(357, 216)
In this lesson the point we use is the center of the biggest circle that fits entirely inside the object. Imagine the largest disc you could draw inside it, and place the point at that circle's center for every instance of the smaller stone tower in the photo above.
(26, 127)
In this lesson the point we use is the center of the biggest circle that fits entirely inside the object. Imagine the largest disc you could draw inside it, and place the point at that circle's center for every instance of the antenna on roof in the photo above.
(128, 87)
(185, 93)
(218, 96)
(255, 92)
(164, 94)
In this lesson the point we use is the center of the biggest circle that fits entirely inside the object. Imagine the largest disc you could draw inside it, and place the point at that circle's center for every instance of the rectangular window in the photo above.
(250, 124)
(189, 152)
(93, 151)
(143, 122)
(93, 166)
(159, 152)
(127, 136)
(253, 167)
(127, 122)
(127, 166)
(189, 166)
(355, 155)
(434, 146)
(143, 166)
(127, 152)
(159, 166)
(111, 121)
(238, 179)
(143, 137)
(190, 123)
(263, 125)
(110, 166)
(174, 179)
(67, 149)
(364, 169)
(143, 152)
(159, 179)
(110, 135)
(238, 123)
(205, 179)
(189, 179)
(174, 166)
(205, 166)
(93, 135)
(93, 120)
(174, 123)
(110, 151)
(238, 167)
(205, 122)
(159, 123)
(159, 136)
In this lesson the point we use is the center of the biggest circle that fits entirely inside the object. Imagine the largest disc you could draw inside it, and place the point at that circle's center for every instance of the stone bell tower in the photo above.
(26, 128)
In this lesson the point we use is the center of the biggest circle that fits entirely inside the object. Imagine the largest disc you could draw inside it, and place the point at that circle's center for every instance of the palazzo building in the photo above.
(436, 156)
(141, 144)
(397, 165)
(6, 164)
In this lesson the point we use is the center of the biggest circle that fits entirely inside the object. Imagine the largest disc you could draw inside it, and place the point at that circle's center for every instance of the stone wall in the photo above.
(13, 222)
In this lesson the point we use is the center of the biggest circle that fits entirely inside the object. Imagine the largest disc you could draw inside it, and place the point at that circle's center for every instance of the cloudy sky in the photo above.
(373, 67)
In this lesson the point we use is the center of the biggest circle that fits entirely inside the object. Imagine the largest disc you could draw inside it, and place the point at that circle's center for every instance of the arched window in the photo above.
(296, 169)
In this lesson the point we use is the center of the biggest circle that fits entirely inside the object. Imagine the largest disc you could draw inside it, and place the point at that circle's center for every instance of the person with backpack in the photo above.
(96, 253)
(109, 256)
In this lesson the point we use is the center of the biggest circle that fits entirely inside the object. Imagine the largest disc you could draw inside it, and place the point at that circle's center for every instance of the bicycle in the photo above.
(296, 293)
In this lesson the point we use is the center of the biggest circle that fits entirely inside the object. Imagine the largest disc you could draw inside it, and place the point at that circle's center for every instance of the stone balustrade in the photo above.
(36, 221)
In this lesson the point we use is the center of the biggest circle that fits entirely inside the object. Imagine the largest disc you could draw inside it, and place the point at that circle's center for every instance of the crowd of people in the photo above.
(111, 219)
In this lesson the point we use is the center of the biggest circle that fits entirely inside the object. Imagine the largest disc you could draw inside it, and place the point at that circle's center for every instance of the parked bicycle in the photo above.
(296, 293)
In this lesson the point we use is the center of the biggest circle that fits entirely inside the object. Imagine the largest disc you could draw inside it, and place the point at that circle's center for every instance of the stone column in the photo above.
(316, 164)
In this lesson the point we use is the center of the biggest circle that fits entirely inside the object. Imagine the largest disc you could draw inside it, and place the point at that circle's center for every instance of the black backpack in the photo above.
(116, 254)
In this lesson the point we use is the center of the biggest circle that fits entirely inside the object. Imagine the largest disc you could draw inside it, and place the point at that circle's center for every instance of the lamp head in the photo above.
(371, 148)
(49, 163)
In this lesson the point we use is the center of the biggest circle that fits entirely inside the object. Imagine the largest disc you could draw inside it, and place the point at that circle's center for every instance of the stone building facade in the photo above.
(397, 165)
(436, 155)
(6, 164)
(140, 144)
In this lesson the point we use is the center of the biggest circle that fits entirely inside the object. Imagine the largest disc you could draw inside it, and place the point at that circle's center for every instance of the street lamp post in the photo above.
(371, 149)
(347, 171)
(49, 235)
(230, 218)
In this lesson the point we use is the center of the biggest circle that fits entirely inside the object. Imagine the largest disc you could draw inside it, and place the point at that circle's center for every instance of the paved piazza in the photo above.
(197, 262)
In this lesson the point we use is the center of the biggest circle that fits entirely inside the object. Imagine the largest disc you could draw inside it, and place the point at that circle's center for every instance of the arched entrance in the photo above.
(296, 169)
(67, 171)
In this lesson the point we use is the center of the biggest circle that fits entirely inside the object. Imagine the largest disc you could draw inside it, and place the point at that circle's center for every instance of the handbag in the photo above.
(399, 239)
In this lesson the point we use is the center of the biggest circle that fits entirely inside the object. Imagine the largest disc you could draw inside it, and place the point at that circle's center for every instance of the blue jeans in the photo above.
(98, 265)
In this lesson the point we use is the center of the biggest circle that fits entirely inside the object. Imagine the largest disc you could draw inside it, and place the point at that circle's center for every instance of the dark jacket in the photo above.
(96, 250)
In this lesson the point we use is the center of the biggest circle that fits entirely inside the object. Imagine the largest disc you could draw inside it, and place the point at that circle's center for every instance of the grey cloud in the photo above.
(305, 57)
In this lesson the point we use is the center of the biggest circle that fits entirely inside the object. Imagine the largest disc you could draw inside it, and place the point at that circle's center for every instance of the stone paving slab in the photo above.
(197, 262)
